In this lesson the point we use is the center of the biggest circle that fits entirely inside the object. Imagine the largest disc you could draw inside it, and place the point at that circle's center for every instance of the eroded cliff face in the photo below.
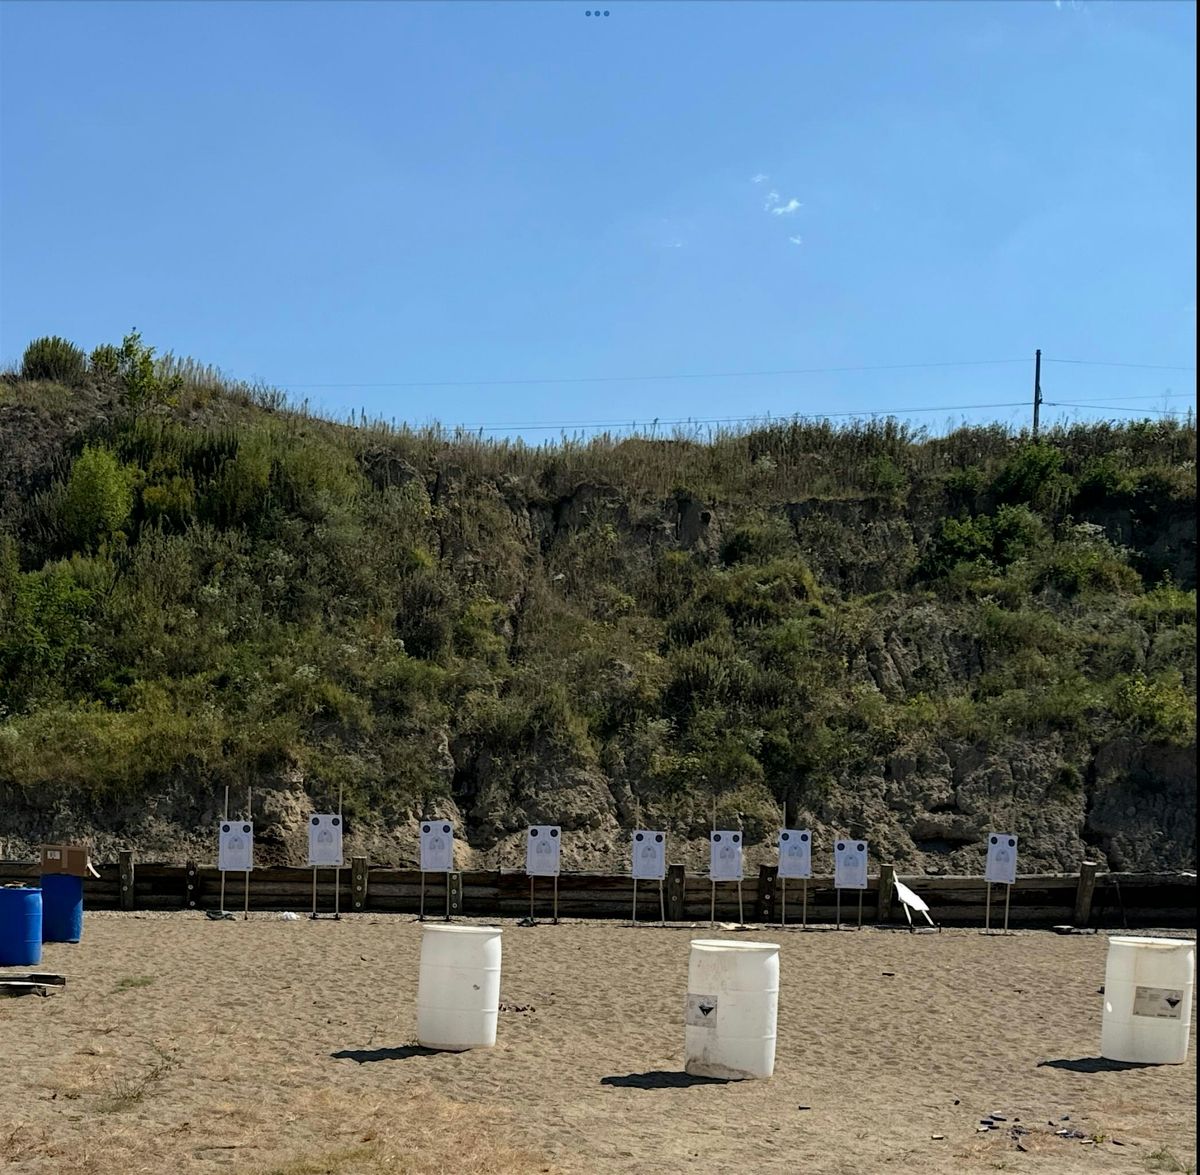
(605, 656)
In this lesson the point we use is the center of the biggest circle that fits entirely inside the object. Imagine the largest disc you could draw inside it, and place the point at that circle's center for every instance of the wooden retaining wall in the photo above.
(1088, 898)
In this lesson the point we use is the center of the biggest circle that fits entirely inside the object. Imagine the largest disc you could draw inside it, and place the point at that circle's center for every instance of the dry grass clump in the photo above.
(328, 1132)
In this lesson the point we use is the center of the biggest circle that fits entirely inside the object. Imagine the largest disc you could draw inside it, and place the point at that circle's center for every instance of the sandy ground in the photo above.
(183, 1045)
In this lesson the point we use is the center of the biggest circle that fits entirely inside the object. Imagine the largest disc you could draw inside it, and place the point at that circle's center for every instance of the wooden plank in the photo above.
(887, 892)
(676, 894)
(125, 866)
(1083, 893)
(1118, 899)
(358, 885)
(191, 883)
(764, 901)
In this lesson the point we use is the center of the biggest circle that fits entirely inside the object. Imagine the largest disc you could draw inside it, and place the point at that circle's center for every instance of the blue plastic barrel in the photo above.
(62, 907)
(20, 927)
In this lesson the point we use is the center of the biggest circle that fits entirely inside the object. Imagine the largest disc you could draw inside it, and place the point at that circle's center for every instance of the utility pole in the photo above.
(1037, 389)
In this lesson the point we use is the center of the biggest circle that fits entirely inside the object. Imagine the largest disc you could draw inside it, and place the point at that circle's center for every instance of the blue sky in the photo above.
(461, 194)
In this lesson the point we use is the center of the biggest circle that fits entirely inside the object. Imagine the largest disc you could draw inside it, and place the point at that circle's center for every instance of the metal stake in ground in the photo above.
(224, 820)
(249, 819)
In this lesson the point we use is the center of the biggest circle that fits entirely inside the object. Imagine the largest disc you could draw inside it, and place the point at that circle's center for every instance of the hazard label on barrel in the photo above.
(1163, 1003)
(701, 1011)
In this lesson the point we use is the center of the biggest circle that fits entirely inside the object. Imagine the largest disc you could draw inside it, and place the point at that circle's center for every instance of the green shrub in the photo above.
(757, 542)
(1102, 480)
(1159, 707)
(1084, 564)
(97, 498)
(105, 362)
(1027, 474)
(54, 359)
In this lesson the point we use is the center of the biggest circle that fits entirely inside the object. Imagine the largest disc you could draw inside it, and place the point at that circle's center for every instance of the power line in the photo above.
(1157, 396)
(1115, 408)
(1102, 363)
(603, 379)
(658, 423)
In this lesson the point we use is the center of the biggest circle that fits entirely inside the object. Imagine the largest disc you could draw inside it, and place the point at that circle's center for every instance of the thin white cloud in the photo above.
(771, 201)
(796, 240)
(787, 209)
(760, 178)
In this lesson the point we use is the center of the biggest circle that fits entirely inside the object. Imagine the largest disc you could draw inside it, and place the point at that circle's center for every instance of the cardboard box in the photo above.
(72, 859)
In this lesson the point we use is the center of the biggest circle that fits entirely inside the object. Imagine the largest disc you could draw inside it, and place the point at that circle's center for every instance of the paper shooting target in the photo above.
(795, 852)
(850, 864)
(325, 840)
(1001, 858)
(725, 855)
(649, 855)
(543, 843)
(437, 846)
(235, 846)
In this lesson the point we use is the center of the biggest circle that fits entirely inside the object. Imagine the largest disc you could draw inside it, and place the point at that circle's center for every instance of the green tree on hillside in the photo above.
(97, 498)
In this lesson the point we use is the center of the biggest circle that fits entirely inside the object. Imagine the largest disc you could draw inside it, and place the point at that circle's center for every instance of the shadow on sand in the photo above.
(660, 1079)
(1093, 1065)
(365, 1056)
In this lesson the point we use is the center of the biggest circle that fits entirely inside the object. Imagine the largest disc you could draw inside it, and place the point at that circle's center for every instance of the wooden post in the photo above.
(1037, 390)
(125, 870)
(358, 875)
(764, 905)
(191, 893)
(887, 892)
(675, 893)
(454, 885)
(1083, 893)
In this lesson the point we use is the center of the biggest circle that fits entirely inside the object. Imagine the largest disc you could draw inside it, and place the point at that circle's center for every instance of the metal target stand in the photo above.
(839, 908)
(712, 907)
(337, 875)
(446, 873)
(662, 904)
(421, 915)
(987, 909)
(783, 903)
(249, 820)
(337, 891)
(532, 920)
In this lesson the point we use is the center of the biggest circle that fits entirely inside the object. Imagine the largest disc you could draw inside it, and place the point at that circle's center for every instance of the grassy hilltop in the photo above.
(863, 629)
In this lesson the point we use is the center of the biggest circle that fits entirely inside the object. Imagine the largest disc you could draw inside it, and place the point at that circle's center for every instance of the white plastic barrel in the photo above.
(732, 1007)
(1148, 984)
(458, 988)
